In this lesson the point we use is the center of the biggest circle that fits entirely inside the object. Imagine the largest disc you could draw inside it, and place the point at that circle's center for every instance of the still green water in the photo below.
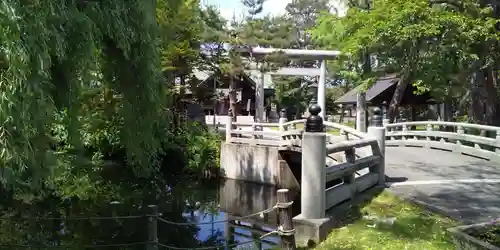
(209, 211)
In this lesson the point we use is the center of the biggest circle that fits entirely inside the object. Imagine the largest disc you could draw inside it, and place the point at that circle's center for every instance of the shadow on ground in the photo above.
(467, 202)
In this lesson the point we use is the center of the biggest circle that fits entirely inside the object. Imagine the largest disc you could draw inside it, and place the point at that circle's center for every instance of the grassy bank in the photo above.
(390, 223)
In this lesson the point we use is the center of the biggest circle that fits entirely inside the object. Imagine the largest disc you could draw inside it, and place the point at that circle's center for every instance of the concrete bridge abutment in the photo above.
(258, 164)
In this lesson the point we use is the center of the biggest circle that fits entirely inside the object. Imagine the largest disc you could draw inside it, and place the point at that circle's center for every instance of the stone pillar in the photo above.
(361, 112)
(322, 89)
(259, 99)
(376, 119)
(229, 125)
(313, 178)
(282, 119)
(385, 120)
(377, 130)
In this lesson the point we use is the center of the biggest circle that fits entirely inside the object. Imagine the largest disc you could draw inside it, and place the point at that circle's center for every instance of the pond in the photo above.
(193, 214)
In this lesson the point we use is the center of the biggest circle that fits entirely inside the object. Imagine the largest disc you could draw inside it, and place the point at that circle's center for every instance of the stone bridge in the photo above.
(446, 166)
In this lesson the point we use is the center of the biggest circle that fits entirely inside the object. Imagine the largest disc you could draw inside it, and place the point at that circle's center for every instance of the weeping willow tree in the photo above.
(66, 64)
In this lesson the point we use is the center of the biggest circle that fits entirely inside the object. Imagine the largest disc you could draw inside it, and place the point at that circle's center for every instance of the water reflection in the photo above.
(44, 224)
(237, 199)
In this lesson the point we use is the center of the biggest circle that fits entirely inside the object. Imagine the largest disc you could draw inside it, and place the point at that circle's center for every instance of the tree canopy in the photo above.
(435, 45)
(87, 82)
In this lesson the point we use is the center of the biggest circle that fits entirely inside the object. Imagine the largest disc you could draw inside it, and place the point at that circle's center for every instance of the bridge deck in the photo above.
(466, 188)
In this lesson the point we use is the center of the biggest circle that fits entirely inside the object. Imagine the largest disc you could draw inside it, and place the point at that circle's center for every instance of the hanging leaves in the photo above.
(53, 55)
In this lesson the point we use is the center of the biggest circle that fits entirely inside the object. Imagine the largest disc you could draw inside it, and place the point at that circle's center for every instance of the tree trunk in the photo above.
(491, 103)
(367, 64)
(476, 109)
(398, 96)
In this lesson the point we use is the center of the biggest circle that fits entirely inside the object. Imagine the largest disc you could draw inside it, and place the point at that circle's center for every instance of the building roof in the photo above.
(380, 86)
(382, 91)
(254, 75)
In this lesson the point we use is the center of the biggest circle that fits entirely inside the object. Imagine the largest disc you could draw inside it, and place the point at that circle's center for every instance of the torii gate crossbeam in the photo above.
(320, 55)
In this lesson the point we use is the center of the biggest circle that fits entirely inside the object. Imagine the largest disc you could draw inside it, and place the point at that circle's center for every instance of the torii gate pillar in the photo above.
(259, 99)
(321, 55)
(322, 89)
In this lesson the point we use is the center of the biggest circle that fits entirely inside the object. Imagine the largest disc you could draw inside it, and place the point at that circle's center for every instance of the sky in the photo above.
(273, 7)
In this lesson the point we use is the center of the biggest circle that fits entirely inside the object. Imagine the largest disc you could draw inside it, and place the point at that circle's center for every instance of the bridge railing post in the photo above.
(229, 125)
(313, 176)
(377, 130)
(153, 227)
(282, 120)
(497, 138)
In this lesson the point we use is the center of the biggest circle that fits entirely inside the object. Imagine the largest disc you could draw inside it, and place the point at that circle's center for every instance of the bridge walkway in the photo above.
(463, 187)
(450, 167)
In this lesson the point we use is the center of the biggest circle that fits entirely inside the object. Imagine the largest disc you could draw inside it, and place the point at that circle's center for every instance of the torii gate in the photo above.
(320, 55)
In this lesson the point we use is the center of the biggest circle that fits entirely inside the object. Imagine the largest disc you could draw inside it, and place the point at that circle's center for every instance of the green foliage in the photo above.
(82, 91)
(203, 148)
(181, 23)
(284, 31)
(332, 94)
(292, 94)
(367, 83)
(489, 233)
(430, 44)
(51, 53)
(367, 228)
(303, 15)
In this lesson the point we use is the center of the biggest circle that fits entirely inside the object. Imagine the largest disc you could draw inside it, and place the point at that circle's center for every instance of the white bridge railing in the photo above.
(278, 134)
(353, 183)
(284, 133)
(470, 139)
(352, 150)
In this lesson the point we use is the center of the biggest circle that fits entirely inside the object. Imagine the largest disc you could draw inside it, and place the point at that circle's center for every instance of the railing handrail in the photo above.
(460, 140)
(345, 145)
(345, 128)
(444, 123)
(257, 124)
(284, 133)
(299, 121)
